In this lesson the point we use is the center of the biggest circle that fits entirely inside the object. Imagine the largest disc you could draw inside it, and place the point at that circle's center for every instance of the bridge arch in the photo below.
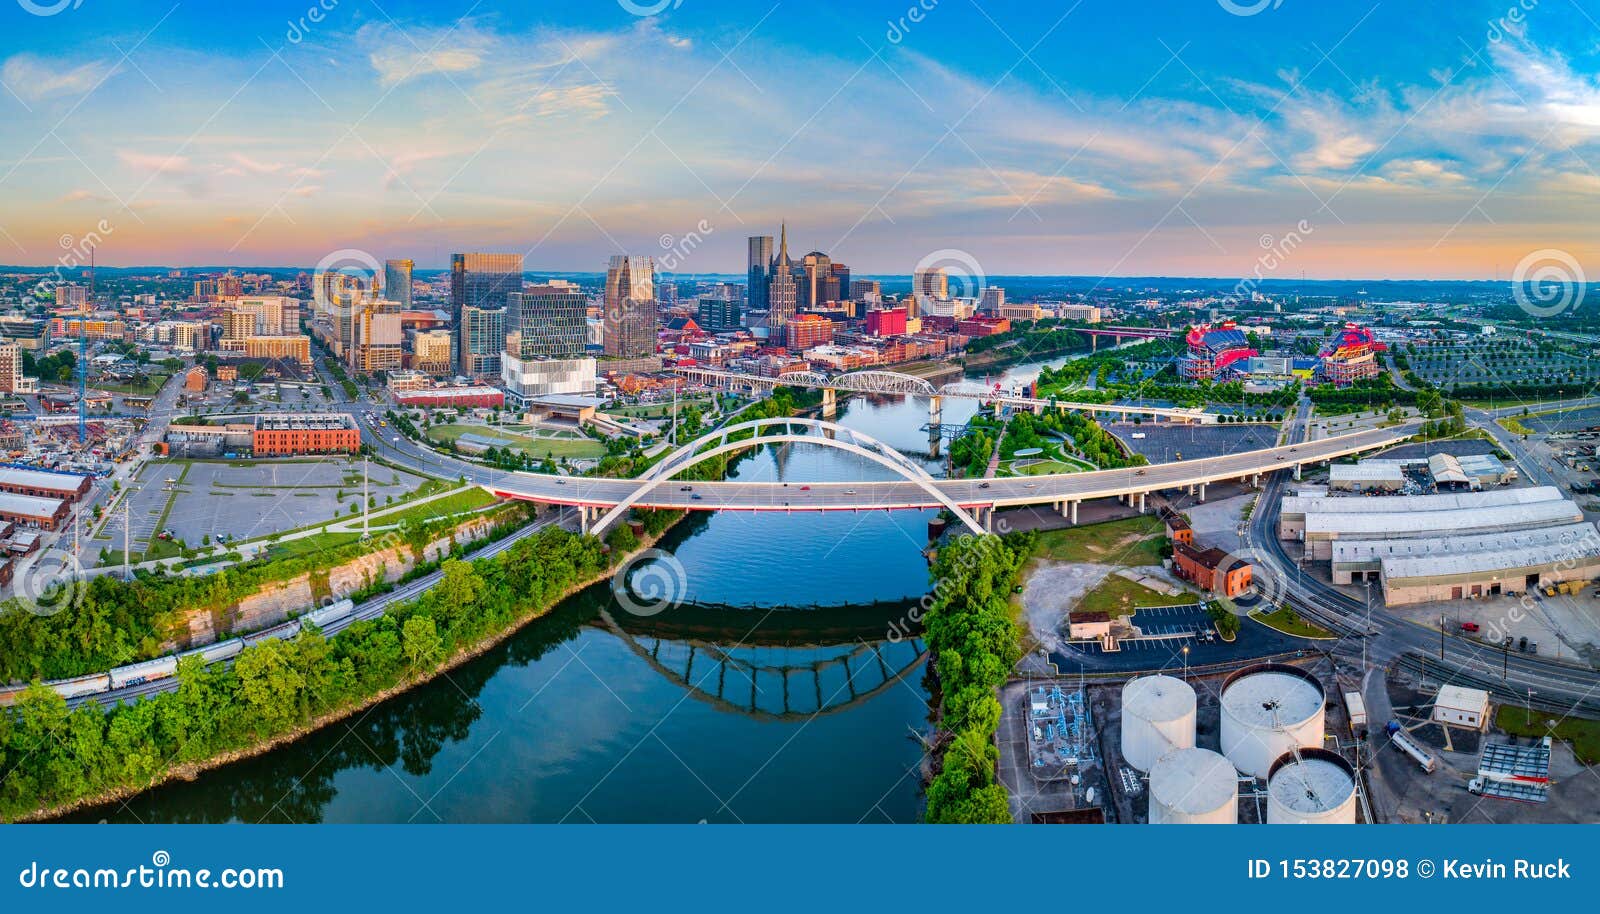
(884, 382)
(791, 430)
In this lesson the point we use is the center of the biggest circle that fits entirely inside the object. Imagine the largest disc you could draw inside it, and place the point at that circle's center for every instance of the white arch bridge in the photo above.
(602, 502)
(877, 381)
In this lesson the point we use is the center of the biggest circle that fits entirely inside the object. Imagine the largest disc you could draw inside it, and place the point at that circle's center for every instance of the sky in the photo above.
(1332, 139)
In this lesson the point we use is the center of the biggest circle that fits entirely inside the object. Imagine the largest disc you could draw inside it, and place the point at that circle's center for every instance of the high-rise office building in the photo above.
(480, 338)
(630, 308)
(397, 281)
(480, 281)
(932, 281)
(547, 322)
(759, 271)
(782, 288)
(10, 367)
(994, 298)
(816, 272)
(841, 281)
(718, 314)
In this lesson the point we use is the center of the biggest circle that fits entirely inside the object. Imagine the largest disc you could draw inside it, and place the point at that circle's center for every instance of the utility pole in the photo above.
(366, 503)
(1441, 637)
(127, 568)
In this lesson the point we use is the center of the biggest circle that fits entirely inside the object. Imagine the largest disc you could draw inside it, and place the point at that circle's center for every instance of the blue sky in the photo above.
(1390, 139)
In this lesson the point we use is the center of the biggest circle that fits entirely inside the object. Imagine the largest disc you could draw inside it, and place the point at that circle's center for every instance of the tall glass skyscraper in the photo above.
(547, 322)
(630, 319)
(397, 281)
(758, 271)
(480, 281)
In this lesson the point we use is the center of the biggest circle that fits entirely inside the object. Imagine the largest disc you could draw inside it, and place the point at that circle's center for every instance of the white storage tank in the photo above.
(1193, 787)
(1157, 717)
(1316, 788)
(1267, 710)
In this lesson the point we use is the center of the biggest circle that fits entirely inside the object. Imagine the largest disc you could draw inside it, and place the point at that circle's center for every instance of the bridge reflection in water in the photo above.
(776, 664)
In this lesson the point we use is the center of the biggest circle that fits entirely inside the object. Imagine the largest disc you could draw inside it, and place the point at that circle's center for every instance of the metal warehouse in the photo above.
(1296, 508)
(1422, 580)
(1321, 530)
(1358, 560)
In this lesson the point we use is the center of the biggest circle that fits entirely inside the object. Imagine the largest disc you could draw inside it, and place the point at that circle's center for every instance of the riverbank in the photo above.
(411, 679)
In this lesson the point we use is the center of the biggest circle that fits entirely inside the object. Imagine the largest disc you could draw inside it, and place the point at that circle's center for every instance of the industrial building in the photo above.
(43, 484)
(1424, 548)
(1444, 472)
(33, 511)
(1212, 570)
(289, 435)
(1295, 509)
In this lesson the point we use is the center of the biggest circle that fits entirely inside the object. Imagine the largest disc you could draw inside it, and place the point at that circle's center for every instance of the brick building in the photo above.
(289, 435)
(1212, 569)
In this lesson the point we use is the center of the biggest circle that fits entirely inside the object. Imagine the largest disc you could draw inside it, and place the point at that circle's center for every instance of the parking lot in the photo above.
(1166, 443)
(245, 499)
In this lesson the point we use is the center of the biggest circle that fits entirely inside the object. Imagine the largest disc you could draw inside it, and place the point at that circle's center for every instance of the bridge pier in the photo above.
(1297, 472)
(830, 402)
(1202, 497)
(1141, 502)
(1074, 514)
(936, 412)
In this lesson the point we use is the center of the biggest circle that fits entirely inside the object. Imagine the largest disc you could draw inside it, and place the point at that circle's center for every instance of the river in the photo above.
(779, 689)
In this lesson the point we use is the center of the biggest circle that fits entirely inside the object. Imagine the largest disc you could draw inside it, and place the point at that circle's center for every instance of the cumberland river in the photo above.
(774, 693)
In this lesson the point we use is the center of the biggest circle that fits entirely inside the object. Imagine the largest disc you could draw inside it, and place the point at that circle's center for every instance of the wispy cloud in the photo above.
(34, 78)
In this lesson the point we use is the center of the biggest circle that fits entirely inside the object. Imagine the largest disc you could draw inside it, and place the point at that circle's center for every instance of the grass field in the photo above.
(152, 384)
(1584, 735)
(656, 410)
(1047, 467)
(535, 445)
(1292, 623)
(1120, 597)
(1134, 541)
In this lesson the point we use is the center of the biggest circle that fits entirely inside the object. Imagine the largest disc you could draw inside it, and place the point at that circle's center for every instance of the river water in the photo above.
(779, 690)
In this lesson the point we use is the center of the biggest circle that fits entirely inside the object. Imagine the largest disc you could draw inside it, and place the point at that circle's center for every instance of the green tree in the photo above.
(419, 639)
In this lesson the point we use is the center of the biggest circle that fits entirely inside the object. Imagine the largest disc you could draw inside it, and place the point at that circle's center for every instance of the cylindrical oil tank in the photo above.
(1267, 710)
(1193, 787)
(1157, 717)
(1311, 787)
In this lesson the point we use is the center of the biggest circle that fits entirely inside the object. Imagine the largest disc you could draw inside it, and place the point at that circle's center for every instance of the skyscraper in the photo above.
(630, 308)
(759, 271)
(480, 281)
(480, 338)
(397, 281)
(817, 271)
(547, 322)
(782, 290)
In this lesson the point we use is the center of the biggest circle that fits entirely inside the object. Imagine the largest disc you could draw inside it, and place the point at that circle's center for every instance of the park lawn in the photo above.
(1584, 735)
(310, 545)
(1132, 541)
(468, 499)
(528, 444)
(152, 384)
(656, 410)
(1289, 622)
(1119, 596)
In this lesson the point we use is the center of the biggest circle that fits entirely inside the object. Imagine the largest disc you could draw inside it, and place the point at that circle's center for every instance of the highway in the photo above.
(907, 494)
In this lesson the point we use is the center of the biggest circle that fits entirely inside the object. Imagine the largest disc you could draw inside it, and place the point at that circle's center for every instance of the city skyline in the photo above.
(1445, 148)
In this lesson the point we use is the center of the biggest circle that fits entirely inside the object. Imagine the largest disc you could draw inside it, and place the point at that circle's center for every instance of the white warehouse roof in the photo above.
(1404, 524)
(1300, 504)
(1366, 471)
(1354, 551)
(1479, 563)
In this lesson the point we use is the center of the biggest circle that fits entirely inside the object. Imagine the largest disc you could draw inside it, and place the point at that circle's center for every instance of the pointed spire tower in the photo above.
(783, 243)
